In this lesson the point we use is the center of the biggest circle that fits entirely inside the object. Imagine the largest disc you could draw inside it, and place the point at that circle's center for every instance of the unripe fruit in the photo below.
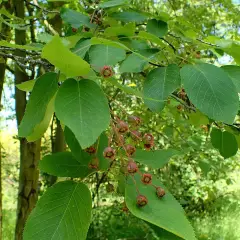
(146, 178)
(148, 138)
(179, 107)
(134, 121)
(91, 150)
(109, 153)
(94, 163)
(130, 149)
(122, 127)
(136, 135)
(142, 200)
(106, 71)
(132, 167)
(109, 187)
(160, 192)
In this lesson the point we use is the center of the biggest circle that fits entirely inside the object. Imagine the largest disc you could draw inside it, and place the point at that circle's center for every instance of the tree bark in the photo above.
(29, 152)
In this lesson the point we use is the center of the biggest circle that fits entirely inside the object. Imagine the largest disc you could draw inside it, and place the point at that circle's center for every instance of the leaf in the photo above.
(133, 63)
(107, 42)
(157, 27)
(126, 30)
(4, 43)
(166, 213)
(225, 142)
(63, 212)
(159, 84)
(129, 17)
(83, 107)
(76, 19)
(67, 62)
(43, 92)
(234, 73)
(102, 143)
(101, 55)
(26, 86)
(64, 164)
(82, 47)
(198, 119)
(113, 3)
(155, 159)
(150, 37)
(211, 90)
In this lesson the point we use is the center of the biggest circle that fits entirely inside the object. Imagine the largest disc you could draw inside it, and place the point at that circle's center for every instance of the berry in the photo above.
(136, 135)
(179, 107)
(148, 146)
(130, 149)
(160, 192)
(205, 128)
(134, 121)
(142, 200)
(109, 153)
(122, 127)
(146, 178)
(109, 187)
(107, 72)
(94, 163)
(91, 150)
(119, 139)
(124, 207)
(148, 138)
(132, 167)
(74, 29)
(182, 94)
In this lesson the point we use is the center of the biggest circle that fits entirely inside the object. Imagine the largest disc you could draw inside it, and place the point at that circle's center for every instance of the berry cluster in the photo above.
(124, 137)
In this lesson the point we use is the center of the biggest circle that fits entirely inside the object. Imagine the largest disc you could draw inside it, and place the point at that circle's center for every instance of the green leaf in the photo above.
(157, 27)
(82, 47)
(38, 106)
(101, 55)
(234, 73)
(159, 84)
(83, 107)
(166, 213)
(126, 30)
(129, 17)
(198, 119)
(67, 62)
(150, 37)
(155, 159)
(107, 42)
(225, 142)
(211, 90)
(102, 143)
(133, 63)
(63, 212)
(4, 43)
(76, 19)
(64, 164)
(26, 86)
(113, 3)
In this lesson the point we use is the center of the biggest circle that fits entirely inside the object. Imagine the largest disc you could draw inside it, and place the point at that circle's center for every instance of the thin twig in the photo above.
(183, 103)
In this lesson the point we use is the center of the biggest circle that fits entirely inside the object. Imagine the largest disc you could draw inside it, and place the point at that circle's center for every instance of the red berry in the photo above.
(148, 146)
(109, 153)
(132, 167)
(142, 200)
(130, 149)
(122, 127)
(134, 121)
(91, 150)
(74, 30)
(160, 192)
(148, 138)
(146, 178)
(136, 135)
(94, 163)
(106, 71)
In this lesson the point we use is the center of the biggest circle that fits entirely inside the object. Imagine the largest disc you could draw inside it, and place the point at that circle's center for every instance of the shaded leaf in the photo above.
(67, 62)
(166, 213)
(126, 30)
(198, 119)
(83, 107)
(234, 73)
(157, 27)
(129, 16)
(63, 212)
(159, 84)
(82, 47)
(211, 90)
(155, 159)
(225, 142)
(113, 3)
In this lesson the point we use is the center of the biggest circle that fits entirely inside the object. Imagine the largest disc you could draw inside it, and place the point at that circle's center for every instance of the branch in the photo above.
(40, 8)
(183, 103)
(173, 48)
(210, 44)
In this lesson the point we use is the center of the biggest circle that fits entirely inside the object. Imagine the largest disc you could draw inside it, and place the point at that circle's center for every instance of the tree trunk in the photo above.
(29, 152)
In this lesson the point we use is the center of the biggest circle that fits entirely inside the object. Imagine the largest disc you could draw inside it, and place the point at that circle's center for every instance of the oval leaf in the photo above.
(83, 107)
(225, 142)
(63, 212)
(155, 159)
(157, 27)
(129, 17)
(211, 90)
(82, 47)
(159, 84)
(166, 213)
(43, 93)
(113, 3)
(66, 61)
(26, 86)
